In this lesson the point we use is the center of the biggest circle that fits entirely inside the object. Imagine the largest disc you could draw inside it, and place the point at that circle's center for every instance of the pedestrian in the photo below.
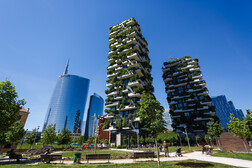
(166, 149)
(203, 149)
(160, 148)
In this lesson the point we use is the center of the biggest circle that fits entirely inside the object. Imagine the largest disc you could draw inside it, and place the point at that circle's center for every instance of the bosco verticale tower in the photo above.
(190, 106)
(128, 76)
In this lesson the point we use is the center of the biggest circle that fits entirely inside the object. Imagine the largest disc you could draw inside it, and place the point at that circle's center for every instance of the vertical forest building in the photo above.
(128, 76)
(187, 95)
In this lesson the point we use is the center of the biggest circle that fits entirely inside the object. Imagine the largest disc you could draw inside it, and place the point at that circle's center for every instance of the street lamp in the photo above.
(187, 139)
(35, 136)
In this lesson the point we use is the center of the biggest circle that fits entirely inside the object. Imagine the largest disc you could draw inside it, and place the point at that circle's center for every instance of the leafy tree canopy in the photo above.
(9, 106)
(49, 135)
(214, 128)
(15, 133)
(64, 138)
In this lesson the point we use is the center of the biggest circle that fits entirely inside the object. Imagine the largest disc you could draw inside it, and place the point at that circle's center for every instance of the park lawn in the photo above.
(113, 153)
(174, 149)
(173, 164)
(39, 146)
(245, 156)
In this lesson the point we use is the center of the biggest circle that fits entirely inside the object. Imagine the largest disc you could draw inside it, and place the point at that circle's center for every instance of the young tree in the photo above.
(125, 139)
(124, 123)
(142, 140)
(64, 138)
(80, 140)
(207, 138)
(49, 135)
(151, 116)
(241, 128)
(15, 133)
(31, 137)
(9, 106)
(214, 129)
(132, 140)
(198, 139)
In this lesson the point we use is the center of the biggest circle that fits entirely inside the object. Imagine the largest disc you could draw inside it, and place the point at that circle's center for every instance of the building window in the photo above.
(19, 117)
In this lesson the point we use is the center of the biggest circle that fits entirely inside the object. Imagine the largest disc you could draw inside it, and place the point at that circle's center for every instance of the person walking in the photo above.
(166, 150)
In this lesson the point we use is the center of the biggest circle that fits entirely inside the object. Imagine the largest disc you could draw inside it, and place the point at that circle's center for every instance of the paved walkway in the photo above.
(194, 156)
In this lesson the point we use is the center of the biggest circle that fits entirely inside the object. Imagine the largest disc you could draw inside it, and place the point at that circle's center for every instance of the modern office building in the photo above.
(67, 104)
(187, 95)
(95, 110)
(224, 109)
(128, 75)
(167, 119)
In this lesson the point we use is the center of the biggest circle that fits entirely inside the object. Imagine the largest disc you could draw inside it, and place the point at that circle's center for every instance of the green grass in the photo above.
(172, 164)
(245, 156)
(113, 153)
(174, 149)
(38, 146)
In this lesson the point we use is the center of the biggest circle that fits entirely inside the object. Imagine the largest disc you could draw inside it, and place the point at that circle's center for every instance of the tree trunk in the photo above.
(157, 152)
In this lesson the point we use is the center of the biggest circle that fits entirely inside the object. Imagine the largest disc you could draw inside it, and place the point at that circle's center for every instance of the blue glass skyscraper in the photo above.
(224, 109)
(95, 110)
(67, 104)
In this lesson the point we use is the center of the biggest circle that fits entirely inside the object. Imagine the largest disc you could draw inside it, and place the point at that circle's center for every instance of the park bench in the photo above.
(49, 158)
(16, 156)
(143, 155)
(97, 156)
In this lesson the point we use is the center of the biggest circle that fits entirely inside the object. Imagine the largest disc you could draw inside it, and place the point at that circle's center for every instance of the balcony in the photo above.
(193, 90)
(203, 108)
(137, 119)
(118, 60)
(128, 108)
(197, 77)
(134, 95)
(201, 119)
(130, 22)
(126, 128)
(111, 128)
(192, 62)
(188, 59)
(187, 67)
(131, 34)
(182, 125)
(111, 75)
(114, 32)
(118, 98)
(111, 39)
(118, 68)
(123, 51)
(135, 56)
(173, 102)
(171, 65)
(112, 66)
(182, 110)
(114, 44)
(189, 100)
(108, 116)
(128, 75)
(205, 93)
(176, 73)
(198, 130)
(167, 80)
(126, 91)
(132, 41)
(208, 103)
(177, 116)
(170, 90)
(110, 60)
(134, 64)
(194, 69)
(165, 69)
(119, 45)
(210, 113)
(112, 93)
(180, 84)
(112, 52)
(139, 72)
(112, 105)
(109, 84)
(136, 83)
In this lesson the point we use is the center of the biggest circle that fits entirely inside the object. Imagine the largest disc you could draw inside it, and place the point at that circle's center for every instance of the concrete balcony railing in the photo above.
(108, 116)
(109, 84)
(210, 113)
(114, 32)
(137, 83)
(177, 116)
(118, 68)
(112, 66)
(134, 94)
(203, 108)
(135, 56)
(130, 22)
(201, 119)
(173, 102)
(112, 52)
(197, 77)
(182, 125)
(180, 84)
(194, 69)
(187, 67)
(205, 93)
(111, 75)
(170, 90)
(208, 103)
(167, 80)
(132, 41)
(112, 104)
(112, 93)
(114, 44)
(193, 90)
(166, 69)
(139, 72)
(118, 98)
(128, 108)
(171, 65)
(111, 60)
(128, 75)
(182, 110)
(176, 73)
(192, 62)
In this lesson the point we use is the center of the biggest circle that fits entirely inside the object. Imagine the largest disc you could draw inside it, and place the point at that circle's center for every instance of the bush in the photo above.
(124, 146)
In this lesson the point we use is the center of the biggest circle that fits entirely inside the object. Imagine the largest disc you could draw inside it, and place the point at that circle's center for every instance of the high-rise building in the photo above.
(224, 109)
(128, 75)
(95, 110)
(67, 104)
(167, 119)
(187, 95)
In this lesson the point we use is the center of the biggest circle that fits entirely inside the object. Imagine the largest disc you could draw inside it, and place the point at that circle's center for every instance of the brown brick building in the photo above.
(100, 133)
(23, 114)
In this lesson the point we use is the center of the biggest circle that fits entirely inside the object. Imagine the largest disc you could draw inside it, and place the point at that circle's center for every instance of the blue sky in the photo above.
(37, 37)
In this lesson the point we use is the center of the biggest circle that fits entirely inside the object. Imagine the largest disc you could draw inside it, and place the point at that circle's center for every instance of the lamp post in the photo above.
(35, 137)
(187, 139)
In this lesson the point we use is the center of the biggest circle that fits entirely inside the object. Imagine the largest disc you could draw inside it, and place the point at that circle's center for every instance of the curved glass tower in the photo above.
(95, 110)
(67, 104)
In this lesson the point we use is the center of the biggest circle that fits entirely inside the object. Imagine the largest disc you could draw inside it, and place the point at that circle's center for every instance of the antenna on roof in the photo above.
(66, 68)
